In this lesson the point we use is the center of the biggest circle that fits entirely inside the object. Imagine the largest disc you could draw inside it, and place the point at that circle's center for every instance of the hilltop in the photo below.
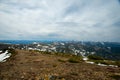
(36, 65)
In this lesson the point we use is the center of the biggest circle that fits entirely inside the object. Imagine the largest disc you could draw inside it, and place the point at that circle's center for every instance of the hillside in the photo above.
(32, 65)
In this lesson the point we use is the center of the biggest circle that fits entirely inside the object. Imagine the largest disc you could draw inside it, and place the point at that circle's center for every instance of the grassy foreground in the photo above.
(33, 65)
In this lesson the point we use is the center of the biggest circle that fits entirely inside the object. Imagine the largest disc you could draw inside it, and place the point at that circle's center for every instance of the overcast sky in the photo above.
(86, 20)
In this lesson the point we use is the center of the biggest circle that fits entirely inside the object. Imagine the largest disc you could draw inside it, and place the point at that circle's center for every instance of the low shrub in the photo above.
(61, 60)
(75, 59)
(117, 63)
(12, 51)
(95, 57)
(103, 62)
(116, 77)
(107, 62)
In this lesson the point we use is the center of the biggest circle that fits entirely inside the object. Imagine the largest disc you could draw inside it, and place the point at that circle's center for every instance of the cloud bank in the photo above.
(86, 20)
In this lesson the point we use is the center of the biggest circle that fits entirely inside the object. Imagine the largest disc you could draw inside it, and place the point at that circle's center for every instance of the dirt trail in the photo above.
(30, 65)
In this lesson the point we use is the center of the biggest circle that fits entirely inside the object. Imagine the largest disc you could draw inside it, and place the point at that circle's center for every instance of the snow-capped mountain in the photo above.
(108, 50)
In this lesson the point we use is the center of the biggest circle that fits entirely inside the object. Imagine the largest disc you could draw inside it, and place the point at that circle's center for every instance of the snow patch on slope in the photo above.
(4, 56)
(85, 58)
(89, 62)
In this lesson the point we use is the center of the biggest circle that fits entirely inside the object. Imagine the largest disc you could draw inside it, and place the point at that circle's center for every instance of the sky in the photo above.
(82, 20)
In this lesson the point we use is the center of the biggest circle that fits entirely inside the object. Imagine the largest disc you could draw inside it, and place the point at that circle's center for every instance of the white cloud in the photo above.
(96, 20)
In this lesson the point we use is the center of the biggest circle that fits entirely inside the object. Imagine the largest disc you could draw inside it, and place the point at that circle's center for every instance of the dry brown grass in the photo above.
(32, 65)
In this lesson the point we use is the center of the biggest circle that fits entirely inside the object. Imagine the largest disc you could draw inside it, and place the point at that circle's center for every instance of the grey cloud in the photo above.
(96, 20)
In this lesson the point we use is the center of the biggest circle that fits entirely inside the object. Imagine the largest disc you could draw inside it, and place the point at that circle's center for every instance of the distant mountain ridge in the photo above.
(107, 50)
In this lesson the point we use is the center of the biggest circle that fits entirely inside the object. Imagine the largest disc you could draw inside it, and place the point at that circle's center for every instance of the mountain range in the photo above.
(107, 50)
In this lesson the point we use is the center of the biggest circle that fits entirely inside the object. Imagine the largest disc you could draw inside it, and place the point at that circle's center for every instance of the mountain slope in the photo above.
(33, 65)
